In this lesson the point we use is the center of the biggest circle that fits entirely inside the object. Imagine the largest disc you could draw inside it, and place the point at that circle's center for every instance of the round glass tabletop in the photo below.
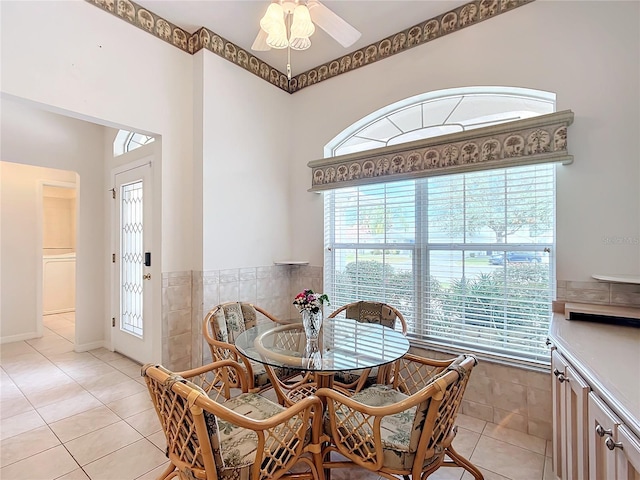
(343, 344)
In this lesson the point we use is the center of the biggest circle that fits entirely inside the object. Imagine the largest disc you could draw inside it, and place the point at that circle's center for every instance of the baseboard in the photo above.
(20, 338)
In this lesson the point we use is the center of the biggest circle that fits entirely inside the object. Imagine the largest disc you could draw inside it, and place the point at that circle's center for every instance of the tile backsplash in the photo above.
(187, 296)
(603, 293)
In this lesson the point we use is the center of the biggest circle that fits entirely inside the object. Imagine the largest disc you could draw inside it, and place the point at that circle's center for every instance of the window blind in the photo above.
(465, 257)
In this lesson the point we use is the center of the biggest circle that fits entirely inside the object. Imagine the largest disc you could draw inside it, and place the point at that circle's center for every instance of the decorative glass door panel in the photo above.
(132, 284)
(131, 258)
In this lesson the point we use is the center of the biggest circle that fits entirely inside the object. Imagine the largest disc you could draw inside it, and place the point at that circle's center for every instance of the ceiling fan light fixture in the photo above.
(273, 16)
(278, 39)
(299, 43)
(302, 26)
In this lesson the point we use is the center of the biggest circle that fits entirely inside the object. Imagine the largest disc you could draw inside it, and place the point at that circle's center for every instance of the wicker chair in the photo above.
(366, 312)
(245, 437)
(405, 427)
(222, 325)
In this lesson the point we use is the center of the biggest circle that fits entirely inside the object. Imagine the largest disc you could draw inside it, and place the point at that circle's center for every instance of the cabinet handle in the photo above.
(548, 342)
(612, 445)
(560, 375)
(601, 431)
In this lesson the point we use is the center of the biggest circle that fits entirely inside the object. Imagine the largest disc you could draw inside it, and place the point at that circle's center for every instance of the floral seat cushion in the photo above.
(236, 445)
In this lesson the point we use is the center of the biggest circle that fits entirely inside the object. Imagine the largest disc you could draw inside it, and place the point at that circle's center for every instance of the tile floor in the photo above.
(72, 416)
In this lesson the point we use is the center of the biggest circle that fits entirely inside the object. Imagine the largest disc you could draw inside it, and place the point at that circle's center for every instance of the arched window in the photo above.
(466, 256)
(126, 141)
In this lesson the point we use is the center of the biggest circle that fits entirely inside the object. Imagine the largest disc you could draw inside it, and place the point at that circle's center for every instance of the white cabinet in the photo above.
(570, 399)
(614, 451)
(589, 439)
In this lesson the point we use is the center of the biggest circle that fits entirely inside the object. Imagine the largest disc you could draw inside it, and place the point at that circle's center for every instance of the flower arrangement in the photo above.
(308, 300)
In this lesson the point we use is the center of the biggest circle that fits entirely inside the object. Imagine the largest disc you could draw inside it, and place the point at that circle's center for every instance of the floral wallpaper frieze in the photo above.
(533, 140)
(426, 31)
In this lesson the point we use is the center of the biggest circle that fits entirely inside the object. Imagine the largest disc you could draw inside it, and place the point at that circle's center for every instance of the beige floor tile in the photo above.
(515, 437)
(104, 379)
(86, 373)
(86, 422)
(15, 348)
(106, 355)
(447, 473)
(111, 393)
(9, 390)
(487, 474)
(155, 473)
(42, 379)
(147, 422)
(508, 460)
(80, 403)
(465, 442)
(18, 424)
(159, 440)
(77, 474)
(26, 444)
(353, 474)
(68, 333)
(97, 444)
(47, 465)
(58, 393)
(54, 322)
(127, 463)
(123, 363)
(129, 406)
(14, 406)
(470, 423)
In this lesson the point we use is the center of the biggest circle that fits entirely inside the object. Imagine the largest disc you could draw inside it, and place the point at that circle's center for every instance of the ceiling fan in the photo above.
(290, 23)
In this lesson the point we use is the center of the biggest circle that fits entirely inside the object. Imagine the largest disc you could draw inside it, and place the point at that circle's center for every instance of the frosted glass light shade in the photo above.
(273, 16)
(302, 26)
(297, 43)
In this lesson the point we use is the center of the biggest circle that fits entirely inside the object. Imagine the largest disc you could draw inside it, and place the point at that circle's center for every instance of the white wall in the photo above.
(246, 138)
(34, 137)
(93, 65)
(21, 250)
(586, 52)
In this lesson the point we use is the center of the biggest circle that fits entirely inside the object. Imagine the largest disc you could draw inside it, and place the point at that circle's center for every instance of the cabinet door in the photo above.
(603, 424)
(627, 452)
(558, 367)
(576, 420)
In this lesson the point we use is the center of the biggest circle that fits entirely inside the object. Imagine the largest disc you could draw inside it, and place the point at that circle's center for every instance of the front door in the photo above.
(131, 324)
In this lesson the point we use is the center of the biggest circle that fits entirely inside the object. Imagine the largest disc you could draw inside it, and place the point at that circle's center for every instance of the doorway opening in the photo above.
(59, 234)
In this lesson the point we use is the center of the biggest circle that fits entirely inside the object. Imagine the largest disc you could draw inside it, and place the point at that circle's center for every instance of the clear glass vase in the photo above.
(311, 323)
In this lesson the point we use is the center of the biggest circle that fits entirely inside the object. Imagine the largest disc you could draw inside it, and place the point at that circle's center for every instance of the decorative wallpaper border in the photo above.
(426, 31)
(533, 140)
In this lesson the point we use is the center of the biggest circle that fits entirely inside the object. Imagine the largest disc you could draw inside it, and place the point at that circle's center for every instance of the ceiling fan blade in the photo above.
(260, 43)
(345, 34)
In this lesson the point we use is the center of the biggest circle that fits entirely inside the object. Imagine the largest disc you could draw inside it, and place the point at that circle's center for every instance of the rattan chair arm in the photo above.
(432, 362)
(311, 403)
(228, 363)
(434, 389)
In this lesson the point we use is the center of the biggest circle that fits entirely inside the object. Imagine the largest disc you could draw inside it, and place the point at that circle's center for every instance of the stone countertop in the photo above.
(608, 356)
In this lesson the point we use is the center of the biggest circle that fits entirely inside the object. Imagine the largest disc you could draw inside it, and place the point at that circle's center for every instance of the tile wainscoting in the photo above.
(188, 295)
(513, 397)
(604, 293)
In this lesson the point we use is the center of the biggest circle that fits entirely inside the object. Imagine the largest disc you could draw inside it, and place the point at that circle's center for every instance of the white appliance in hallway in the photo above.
(59, 283)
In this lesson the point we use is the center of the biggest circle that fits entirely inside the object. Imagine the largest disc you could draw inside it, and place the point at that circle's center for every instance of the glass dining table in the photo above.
(342, 345)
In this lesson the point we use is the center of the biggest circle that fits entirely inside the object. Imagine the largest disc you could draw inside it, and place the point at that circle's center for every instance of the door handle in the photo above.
(147, 276)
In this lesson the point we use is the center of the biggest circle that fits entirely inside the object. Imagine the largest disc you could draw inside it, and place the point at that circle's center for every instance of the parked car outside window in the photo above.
(515, 257)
